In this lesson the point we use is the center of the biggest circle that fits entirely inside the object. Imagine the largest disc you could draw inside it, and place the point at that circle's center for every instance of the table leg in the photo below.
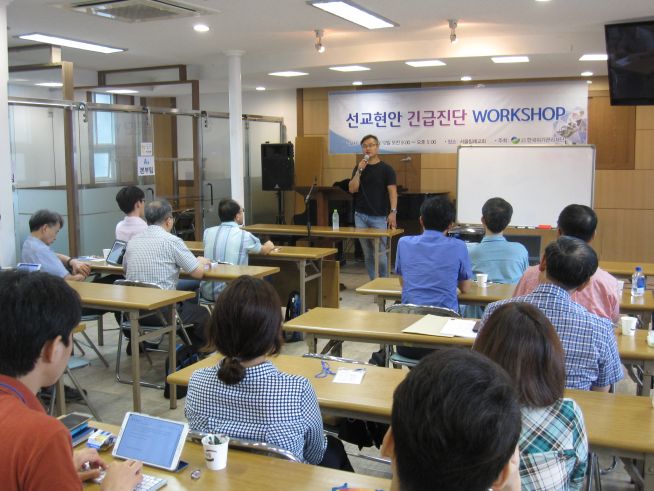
(303, 283)
(648, 475)
(648, 373)
(172, 354)
(135, 361)
(312, 342)
(376, 242)
(381, 302)
(319, 266)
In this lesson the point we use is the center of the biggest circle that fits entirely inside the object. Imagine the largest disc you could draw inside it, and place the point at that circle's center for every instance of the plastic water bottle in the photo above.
(335, 220)
(638, 283)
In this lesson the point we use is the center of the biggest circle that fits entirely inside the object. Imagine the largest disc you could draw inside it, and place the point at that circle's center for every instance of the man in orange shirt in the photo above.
(39, 312)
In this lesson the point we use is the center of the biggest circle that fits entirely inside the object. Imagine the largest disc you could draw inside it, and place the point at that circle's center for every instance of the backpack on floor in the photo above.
(185, 356)
(293, 309)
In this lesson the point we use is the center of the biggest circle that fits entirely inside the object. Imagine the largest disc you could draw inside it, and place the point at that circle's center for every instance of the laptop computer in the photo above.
(115, 257)
(156, 442)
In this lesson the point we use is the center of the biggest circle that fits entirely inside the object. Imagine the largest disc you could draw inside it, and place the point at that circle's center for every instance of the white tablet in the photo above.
(156, 442)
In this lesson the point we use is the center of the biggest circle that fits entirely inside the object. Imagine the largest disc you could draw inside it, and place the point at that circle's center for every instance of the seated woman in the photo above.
(245, 396)
(553, 443)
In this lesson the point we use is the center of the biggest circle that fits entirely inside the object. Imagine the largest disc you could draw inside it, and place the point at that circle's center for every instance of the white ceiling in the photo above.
(278, 35)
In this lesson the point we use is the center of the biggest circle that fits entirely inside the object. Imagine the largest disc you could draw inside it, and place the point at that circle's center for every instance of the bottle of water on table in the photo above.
(638, 283)
(335, 220)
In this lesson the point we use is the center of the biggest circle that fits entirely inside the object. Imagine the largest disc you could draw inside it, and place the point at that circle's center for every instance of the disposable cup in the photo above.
(105, 253)
(482, 280)
(215, 451)
(628, 325)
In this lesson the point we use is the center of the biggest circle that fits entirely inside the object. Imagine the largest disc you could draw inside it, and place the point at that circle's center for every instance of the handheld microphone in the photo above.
(366, 157)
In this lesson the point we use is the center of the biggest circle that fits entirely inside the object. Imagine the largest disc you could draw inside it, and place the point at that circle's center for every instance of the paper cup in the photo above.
(650, 339)
(215, 453)
(628, 325)
(482, 280)
(105, 253)
(620, 286)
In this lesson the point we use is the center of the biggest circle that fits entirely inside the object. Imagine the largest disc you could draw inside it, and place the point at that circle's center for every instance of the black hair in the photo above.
(246, 323)
(578, 221)
(156, 212)
(228, 209)
(497, 214)
(456, 422)
(570, 262)
(368, 137)
(437, 213)
(45, 217)
(127, 198)
(36, 308)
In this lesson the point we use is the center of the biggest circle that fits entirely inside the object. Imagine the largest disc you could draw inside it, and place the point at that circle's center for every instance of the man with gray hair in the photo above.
(157, 256)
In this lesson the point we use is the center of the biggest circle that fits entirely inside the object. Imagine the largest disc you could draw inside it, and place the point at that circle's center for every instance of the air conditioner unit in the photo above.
(138, 10)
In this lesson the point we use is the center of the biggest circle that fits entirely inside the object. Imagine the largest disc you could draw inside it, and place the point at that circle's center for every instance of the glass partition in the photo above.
(216, 174)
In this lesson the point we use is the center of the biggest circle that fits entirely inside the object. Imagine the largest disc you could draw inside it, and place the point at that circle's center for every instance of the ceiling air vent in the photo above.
(138, 10)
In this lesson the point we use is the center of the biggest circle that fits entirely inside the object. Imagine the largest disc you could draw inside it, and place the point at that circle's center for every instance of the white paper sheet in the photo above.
(430, 325)
(460, 327)
(349, 375)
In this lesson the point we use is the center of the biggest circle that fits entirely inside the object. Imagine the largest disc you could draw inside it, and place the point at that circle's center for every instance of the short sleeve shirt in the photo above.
(128, 227)
(157, 256)
(36, 251)
(501, 260)
(372, 197)
(431, 265)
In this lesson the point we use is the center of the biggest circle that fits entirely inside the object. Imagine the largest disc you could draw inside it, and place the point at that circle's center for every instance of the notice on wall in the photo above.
(145, 165)
(146, 149)
(439, 119)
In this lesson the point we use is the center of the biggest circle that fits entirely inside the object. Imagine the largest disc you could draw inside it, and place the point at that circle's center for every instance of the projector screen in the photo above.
(538, 181)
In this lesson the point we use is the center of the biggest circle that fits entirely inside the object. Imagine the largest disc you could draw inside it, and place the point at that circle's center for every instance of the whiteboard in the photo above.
(538, 180)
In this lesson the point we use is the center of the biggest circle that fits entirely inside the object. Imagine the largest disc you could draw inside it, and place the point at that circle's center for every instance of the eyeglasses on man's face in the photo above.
(365, 146)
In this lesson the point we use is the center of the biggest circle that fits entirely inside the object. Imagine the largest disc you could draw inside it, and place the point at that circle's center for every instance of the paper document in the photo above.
(460, 327)
(349, 375)
(431, 325)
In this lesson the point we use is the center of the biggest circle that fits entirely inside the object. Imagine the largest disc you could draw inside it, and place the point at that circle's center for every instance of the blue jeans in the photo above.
(369, 221)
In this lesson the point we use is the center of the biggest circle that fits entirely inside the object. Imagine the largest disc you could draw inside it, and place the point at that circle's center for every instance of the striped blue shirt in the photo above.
(226, 243)
(266, 406)
(591, 351)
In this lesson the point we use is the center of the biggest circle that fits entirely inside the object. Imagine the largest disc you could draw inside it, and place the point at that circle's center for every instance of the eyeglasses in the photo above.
(326, 370)
(369, 145)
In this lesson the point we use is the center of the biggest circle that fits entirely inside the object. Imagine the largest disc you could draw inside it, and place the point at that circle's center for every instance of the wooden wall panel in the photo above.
(645, 117)
(438, 161)
(438, 180)
(644, 149)
(624, 189)
(625, 235)
(316, 118)
(612, 130)
(309, 158)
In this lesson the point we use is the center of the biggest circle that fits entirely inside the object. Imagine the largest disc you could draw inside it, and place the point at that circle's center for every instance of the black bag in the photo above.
(293, 309)
(186, 355)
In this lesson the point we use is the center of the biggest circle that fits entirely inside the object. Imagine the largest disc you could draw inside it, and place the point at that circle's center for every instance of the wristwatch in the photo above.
(393, 210)
(69, 260)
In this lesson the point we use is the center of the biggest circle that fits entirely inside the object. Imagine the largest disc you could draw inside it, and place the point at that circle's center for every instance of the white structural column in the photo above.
(236, 126)
(8, 242)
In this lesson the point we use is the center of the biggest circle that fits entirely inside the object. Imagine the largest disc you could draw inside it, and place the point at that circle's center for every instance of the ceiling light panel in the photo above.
(354, 13)
(510, 59)
(425, 63)
(288, 73)
(69, 43)
(594, 57)
(349, 68)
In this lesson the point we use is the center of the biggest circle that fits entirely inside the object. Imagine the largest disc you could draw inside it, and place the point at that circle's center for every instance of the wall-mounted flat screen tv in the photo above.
(630, 48)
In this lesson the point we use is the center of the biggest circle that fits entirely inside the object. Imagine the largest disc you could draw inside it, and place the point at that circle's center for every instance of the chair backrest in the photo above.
(252, 446)
(184, 225)
(408, 308)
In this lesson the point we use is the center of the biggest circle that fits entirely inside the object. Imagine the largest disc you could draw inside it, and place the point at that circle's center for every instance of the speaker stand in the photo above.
(279, 219)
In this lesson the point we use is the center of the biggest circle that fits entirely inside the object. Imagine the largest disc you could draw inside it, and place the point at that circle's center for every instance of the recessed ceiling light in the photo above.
(510, 59)
(594, 57)
(589, 81)
(352, 12)
(50, 84)
(424, 63)
(349, 68)
(288, 73)
(122, 91)
(201, 28)
(586, 74)
(542, 0)
(466, 78)
(357, 82)
(260, 88)
(69, 43)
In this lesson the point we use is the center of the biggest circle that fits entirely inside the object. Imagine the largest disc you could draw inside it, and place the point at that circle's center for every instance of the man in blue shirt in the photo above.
(501, 260)
(592, 361)
(432, 265)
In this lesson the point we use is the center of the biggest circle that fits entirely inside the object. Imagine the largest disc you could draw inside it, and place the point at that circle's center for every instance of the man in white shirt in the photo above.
(131, 200)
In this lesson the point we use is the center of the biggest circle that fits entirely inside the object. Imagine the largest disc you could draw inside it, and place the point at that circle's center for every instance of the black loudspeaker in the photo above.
(277, 168)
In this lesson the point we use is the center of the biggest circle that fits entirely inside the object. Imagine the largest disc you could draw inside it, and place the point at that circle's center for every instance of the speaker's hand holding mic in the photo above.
(364, 162)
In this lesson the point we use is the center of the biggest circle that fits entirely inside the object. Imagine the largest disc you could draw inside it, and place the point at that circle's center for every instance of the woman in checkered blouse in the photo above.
(245, 396)
(553, 443)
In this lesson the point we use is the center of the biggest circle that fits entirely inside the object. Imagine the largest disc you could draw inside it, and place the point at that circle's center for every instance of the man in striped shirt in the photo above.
(228, 243)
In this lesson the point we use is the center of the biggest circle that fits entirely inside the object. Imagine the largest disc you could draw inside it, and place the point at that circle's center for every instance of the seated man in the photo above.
(157, 256)
(432, 265)
(228, 243)
(455, 425)
(44, 227)
(131, 200)
(501, 260)
(601, 295)
(39, 313)
(591, 353)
